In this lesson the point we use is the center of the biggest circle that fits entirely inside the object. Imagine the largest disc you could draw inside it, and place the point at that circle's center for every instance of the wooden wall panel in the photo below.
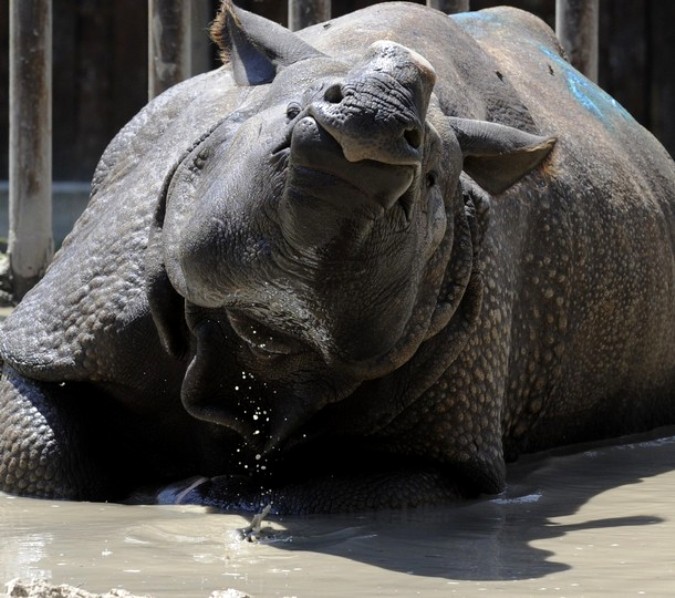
(624, 30)
(661, 66)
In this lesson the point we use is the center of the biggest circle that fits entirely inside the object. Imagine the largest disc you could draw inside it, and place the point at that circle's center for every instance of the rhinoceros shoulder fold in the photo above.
(92, 297)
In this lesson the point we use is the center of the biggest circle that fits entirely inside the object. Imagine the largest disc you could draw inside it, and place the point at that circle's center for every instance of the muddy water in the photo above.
(597, 522)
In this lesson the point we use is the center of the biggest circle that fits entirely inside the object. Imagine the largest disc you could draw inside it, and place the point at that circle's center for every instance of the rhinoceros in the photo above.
(359, 266)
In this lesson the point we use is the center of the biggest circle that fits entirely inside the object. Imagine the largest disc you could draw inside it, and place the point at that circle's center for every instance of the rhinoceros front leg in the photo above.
(328, 494)
(44, 450)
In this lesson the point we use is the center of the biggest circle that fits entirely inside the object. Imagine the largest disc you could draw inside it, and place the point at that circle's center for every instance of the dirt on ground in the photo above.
(42, 589)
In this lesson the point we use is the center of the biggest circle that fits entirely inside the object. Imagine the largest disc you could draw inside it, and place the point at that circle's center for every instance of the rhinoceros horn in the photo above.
(256, 48)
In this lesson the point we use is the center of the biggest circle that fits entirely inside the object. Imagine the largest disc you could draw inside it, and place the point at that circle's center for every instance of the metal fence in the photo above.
(30, 244)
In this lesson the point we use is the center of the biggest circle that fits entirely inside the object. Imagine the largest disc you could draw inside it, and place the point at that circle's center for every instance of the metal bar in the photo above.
(303, 13)
(576, 24)
(30, 244)
(169, 51)
(449, 6)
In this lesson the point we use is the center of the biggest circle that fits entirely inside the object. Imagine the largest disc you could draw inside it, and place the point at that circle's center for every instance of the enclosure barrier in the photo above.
(576, 25)
(169, 44)
(303, 14)
(449, 6)
(30, 245)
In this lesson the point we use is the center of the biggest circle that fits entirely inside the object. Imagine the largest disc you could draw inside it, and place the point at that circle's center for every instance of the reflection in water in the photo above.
(25, 551)
(592, 522)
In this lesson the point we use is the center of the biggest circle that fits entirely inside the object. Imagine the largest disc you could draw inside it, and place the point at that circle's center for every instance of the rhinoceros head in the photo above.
(320, 234)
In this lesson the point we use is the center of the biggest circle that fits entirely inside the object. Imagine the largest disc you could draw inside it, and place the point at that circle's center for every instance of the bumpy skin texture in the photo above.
(524, 303)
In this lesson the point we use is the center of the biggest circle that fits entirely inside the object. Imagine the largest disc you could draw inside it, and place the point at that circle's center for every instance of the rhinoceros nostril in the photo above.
(413, 137)
(333, 94)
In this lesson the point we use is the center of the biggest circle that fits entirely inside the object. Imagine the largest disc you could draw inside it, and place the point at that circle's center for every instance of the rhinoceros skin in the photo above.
(362, 266)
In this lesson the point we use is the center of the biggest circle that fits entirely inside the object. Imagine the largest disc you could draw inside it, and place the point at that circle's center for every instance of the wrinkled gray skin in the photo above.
(358, 267)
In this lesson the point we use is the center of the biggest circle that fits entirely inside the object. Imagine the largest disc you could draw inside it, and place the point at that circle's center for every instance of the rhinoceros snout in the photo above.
(313, 147)
(378, 112)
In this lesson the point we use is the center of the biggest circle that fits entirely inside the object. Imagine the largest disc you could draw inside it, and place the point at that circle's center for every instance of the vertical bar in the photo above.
(303, 13)
(169, 34)
(449, 6)
(30, 139)
(576, 24)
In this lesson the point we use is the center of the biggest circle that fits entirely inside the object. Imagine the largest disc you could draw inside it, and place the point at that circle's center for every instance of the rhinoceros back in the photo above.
(596, 266)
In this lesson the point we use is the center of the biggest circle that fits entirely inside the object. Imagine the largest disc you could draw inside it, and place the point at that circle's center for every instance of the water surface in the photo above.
(596, 522)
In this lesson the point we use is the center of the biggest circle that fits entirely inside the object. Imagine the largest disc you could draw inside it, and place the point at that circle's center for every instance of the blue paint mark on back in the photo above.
(601, 105)
(468, 18)
(586, 93)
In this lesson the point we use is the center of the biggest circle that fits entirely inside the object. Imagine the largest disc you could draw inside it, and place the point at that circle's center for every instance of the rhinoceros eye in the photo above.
(262, 340)
(292, 110)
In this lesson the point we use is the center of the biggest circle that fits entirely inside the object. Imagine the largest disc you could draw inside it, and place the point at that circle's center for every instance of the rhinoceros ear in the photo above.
(256, 47)
(497, 156)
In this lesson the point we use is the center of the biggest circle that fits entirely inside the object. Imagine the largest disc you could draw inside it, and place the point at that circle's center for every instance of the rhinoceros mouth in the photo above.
(320, 166)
